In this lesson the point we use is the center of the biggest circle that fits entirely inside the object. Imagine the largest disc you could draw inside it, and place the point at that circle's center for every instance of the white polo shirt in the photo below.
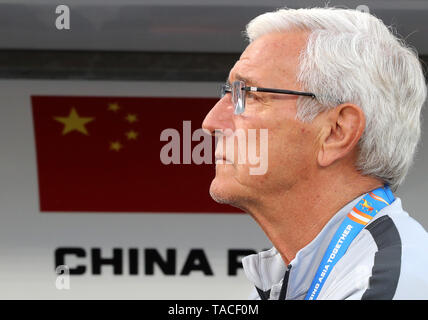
(387, 260)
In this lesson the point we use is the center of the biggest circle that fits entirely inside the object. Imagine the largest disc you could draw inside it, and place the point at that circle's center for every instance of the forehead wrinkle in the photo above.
(241, 69)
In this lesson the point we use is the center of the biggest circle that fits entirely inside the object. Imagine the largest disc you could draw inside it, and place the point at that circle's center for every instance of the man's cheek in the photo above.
(258, 151)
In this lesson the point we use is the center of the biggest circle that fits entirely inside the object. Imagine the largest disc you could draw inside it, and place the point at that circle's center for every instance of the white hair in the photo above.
(351, 56)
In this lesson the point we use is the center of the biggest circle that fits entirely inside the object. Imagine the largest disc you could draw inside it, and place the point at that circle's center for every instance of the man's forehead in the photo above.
(274, 53)
(277, 44)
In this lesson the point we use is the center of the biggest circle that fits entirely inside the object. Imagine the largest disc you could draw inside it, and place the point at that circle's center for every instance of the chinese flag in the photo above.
(103, 154)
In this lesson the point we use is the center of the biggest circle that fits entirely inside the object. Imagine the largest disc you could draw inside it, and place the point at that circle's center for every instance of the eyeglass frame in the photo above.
(240, 108)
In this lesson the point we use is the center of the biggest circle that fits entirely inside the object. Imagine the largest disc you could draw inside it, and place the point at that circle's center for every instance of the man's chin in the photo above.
(223, 193)
(218, 193)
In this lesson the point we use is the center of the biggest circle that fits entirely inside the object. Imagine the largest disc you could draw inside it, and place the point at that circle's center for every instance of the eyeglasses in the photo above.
(238, 90)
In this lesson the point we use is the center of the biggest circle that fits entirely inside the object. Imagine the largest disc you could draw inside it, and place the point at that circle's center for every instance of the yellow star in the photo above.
(132, 135)
(113, 107)
(116, 146)
(131, 118)
(74, 123)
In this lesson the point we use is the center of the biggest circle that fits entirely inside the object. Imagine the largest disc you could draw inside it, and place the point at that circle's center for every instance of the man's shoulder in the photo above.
(413, 262)
(401, 258)
(394, 227)
(387, 260)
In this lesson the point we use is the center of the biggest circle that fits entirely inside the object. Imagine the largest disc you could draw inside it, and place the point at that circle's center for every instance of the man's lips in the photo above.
(222, 160)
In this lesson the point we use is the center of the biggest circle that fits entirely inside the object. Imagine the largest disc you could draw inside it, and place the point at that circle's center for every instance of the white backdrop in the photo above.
(28, 238)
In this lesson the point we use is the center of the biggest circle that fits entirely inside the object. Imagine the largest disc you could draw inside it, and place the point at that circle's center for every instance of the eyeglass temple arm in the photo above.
(283, 91)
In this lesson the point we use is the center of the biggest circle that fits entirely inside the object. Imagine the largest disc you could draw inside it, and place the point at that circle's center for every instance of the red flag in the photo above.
(103, 154)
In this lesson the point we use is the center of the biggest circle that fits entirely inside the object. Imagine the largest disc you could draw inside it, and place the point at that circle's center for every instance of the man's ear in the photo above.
(344, 126)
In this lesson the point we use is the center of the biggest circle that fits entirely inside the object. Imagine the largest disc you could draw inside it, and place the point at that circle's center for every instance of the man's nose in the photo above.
(220, 116)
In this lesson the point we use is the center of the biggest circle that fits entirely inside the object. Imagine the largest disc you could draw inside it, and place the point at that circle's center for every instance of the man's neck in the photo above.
(297, 216)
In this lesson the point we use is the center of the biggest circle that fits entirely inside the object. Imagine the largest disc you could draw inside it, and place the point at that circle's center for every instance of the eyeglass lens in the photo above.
(238, 96)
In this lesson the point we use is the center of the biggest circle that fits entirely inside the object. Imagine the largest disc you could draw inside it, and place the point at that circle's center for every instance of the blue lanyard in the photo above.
(354, 222)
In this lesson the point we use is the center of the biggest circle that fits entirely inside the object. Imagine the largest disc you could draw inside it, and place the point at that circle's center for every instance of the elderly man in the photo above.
(341, 98)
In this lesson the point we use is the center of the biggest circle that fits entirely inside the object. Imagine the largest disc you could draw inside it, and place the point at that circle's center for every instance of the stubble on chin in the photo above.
(216, 195)
(224, 197)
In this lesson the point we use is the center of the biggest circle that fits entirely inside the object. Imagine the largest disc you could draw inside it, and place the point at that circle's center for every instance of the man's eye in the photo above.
(253, 96)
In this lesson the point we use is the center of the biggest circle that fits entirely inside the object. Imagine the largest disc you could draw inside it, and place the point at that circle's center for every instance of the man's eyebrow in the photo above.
(240, 77)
